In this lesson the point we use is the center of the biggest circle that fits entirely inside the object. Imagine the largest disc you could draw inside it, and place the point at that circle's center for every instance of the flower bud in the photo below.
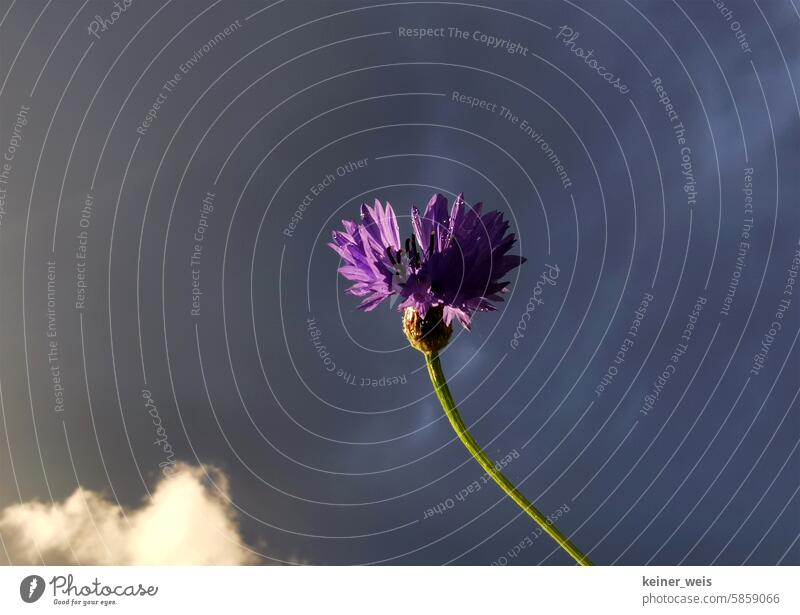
(429, 334)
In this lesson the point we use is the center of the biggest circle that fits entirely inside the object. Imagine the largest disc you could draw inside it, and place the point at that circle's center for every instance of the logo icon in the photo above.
(31, 588)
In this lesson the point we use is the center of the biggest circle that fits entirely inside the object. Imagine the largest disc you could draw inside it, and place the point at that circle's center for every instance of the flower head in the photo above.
(453, 263)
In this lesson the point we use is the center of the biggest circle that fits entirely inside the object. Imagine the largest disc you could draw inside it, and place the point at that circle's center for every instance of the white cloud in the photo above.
(186, 521)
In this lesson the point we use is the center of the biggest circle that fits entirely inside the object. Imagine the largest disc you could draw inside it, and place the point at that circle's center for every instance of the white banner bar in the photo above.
(400, 590)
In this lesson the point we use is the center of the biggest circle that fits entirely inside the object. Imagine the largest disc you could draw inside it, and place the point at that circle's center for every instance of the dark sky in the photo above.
(684, 215)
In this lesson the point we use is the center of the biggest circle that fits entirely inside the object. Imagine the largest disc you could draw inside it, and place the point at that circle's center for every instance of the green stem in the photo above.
(450, 409)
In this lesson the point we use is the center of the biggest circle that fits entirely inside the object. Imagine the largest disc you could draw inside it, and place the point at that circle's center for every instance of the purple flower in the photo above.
(454, 260)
